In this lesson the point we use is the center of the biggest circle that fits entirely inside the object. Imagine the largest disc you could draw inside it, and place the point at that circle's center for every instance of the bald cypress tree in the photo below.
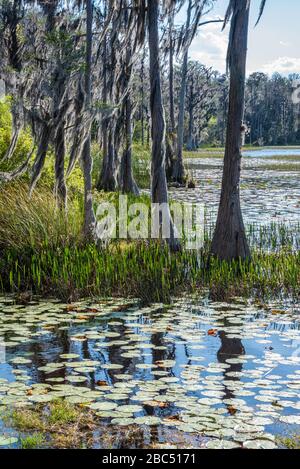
(229, 240)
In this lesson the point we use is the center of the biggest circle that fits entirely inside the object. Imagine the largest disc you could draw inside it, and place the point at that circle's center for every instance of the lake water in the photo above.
(270, 186)
(272, 152)
(197, 373)
(194, 374)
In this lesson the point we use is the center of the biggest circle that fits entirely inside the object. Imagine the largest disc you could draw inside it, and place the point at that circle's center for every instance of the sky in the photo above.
(274, 45)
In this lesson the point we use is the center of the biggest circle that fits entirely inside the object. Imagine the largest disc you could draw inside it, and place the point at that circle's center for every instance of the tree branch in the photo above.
(210, 21)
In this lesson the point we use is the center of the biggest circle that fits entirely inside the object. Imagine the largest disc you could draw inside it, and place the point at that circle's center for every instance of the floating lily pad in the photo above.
(222, 444)
(7, 441)
(76, 379)
(123, 421)
(259, 444)
(103, 406)
(147, 420)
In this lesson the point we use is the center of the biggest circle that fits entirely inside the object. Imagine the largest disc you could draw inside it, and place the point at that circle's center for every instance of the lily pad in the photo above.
(7, 441)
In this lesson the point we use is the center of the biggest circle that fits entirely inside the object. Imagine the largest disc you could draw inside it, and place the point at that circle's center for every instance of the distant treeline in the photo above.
(271, 116)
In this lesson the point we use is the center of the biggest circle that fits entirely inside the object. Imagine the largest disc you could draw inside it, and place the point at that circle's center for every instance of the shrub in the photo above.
(24, 143)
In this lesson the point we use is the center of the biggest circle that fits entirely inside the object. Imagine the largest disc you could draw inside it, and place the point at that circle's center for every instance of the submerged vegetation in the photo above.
(59, 424)
(292, 442)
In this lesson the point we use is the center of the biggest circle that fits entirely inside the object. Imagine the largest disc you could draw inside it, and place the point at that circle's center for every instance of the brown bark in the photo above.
(108, 177)
(44, 139)
(159, 191)
(178, 170)
(229, 240)
(60, 153)
(171, 136)
(89, 215)
(127, 181)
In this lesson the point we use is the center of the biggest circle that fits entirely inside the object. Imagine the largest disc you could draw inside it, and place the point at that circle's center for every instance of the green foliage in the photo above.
(137, 133)
(24, 143)
(33, 441)
(58, 424)
(291, 442)
(23, 420)
(145, 270)
(141, 164)
(62, 412)
(35, 221)
(42, 250)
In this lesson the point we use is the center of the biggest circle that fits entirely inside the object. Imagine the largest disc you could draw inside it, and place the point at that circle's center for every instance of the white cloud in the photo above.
(210, 46)
(283, 65)
(285, 44)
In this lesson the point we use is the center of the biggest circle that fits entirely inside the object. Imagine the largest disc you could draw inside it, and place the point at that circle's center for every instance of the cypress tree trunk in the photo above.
(171, 137)
(89, 216)
(12, 89)
(178, 171)
(159, 191)
(44, 139)
(104, 123)
(108, 178)
(59, 110)
(229, 240)
(60, 152)
(190, 140)
(142, 111)
(128, 183)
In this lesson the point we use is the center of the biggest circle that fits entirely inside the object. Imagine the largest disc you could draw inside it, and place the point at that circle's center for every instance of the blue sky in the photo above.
(274, 45)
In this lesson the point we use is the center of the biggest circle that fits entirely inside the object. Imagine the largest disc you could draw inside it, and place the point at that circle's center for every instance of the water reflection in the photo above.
(231, 348)
(165, 354)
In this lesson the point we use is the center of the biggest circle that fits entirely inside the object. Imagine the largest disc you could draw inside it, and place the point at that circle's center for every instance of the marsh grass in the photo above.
(62, 412)
(218, 152)
(147, 271)
(285, 166)
(35, 221)
(290, 442)
(36, 440)
(56, 425)
(42, 251)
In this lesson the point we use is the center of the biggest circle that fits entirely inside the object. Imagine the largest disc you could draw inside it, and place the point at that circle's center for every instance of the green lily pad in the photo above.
(148, 420)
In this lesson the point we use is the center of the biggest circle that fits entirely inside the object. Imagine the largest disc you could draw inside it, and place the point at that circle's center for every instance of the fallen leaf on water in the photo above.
(172, 419)
(160, 404)
(232, 410)
(212, 332)
(101, 383)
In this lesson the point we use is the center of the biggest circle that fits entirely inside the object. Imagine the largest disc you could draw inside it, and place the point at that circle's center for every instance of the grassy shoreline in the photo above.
(146, 271)
(42, 251)
(218, 152)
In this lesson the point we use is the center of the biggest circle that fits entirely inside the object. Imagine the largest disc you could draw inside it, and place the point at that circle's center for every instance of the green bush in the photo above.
(24, 143)
(36, 221)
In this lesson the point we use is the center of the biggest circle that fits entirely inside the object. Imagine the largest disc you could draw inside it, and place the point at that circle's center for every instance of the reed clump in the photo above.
(42, 251)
